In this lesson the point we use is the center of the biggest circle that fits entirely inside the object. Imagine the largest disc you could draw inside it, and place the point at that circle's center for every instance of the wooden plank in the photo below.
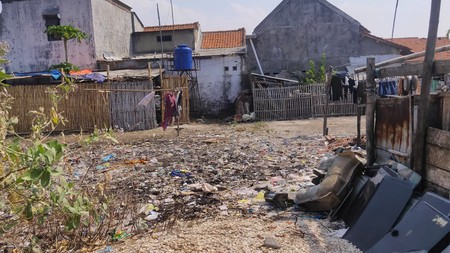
(438, 157)
(438, 176)
(438, 137)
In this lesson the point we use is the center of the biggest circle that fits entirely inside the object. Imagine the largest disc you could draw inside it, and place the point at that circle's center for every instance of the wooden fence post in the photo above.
(329, 76)
(370, 111)
(422, 115)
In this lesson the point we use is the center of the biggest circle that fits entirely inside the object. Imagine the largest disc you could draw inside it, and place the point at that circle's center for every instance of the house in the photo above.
(109, 23)
(420, 44)
(298, 31)
(154, 38)
(219, 56)
(223, 64)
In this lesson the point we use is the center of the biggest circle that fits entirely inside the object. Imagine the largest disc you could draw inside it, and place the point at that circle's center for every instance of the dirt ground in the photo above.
(236, 221)
(220, 206)
(338, 127)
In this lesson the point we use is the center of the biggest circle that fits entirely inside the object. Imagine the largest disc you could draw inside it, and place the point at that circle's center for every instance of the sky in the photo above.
(216, 15)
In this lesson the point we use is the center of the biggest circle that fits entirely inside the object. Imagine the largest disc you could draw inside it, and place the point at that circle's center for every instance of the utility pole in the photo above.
(424, 103)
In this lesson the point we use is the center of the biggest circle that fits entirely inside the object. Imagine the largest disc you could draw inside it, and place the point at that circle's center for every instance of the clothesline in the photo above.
(126, 90)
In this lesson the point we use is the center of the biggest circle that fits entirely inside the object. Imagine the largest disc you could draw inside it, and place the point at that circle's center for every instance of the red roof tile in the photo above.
(192, 26)
(223, 39)
(420, 44)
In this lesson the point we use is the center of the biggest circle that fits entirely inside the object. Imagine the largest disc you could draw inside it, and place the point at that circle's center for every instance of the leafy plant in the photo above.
(66, 33)
(3, 51)
(65, 66)
(311, 73)
(313, 76)
(37, 198)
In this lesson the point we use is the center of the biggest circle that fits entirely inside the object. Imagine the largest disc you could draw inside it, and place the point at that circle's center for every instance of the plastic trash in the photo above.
(119, 235)
(180, 173)
(108, 157)
(106, 250)
(277, 181)
(152, 216)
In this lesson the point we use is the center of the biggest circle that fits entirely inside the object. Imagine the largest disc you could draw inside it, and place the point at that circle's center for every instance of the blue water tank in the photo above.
(182, 58)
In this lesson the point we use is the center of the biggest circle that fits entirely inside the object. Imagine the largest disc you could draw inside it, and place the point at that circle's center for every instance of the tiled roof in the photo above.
(223, 39)
(420, 44)
(192, 26)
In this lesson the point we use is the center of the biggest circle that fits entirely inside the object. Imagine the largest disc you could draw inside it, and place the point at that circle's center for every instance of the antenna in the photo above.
(395, 17)
(160, 33)
(173, 25)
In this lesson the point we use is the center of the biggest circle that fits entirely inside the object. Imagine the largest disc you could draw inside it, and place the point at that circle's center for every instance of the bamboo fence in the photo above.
(82, 109)
(296, 102)
(125, 111)
(90, 106)
(174, 84)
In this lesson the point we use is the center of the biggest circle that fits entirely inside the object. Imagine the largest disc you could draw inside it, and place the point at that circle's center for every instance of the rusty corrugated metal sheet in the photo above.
(393, 125)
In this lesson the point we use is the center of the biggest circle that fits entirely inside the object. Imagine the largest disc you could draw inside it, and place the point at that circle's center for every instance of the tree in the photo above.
(66, 33)
(448, 33)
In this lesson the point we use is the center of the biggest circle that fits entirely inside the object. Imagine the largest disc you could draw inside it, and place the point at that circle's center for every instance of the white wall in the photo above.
(219, 88)
(112, 29)
(22, 26)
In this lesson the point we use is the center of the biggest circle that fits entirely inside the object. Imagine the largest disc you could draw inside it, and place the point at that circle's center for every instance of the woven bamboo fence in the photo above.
(87, 108)
(174, 84)
(125, 111)
(296, 102)
(83, 110)
(343, 107)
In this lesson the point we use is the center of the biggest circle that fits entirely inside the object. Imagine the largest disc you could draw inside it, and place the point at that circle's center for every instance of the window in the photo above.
(227, 68)
(49, 21)
(165, 38)
(234, 68)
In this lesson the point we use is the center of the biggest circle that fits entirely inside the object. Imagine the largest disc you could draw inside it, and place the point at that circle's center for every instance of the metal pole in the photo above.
(256, 56)
(404, 58)
(173, 25)
(395, 17)
(160, 33)
(422, 115)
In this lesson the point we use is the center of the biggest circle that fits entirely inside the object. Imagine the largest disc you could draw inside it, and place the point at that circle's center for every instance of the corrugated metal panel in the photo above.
(393, 131)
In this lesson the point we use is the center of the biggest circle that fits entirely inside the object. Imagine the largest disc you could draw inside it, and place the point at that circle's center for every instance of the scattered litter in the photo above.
(180, 173)
(108, 157)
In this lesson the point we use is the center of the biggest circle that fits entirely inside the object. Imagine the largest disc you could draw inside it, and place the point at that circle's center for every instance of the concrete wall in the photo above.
(304, 29)
(219, 88)
(138, 26)
(22, 26)
(112, 29)
(146, 42)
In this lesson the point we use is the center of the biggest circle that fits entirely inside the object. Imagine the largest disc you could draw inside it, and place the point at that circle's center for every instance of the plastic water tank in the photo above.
(182, 58)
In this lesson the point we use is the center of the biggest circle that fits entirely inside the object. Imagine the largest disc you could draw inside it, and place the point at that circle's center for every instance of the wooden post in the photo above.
(370, 111)
(422, 115)
(358, 123)
(107, 71)
(328, 78)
